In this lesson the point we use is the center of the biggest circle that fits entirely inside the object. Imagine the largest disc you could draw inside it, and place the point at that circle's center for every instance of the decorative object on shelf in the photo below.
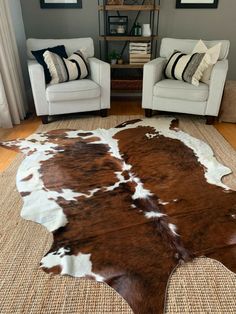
(113, 56)
(61, 4)
(118, 25)
(146, 30)
(115, 2)
(137, 30)
(139, 53)
(197, 4)
(120, 60)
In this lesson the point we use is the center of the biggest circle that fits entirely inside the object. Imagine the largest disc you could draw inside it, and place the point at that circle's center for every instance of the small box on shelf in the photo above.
(139, 52)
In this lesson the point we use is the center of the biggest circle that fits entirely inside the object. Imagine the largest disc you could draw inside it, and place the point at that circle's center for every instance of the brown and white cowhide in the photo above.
(127, 205)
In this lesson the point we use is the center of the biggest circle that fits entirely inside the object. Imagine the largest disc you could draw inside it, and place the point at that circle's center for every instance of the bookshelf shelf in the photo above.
(129, 7)
(127, 66)
(127, 38)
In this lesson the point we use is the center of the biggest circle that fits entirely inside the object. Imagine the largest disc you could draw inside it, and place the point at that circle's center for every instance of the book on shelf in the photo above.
(146, 44)
(140, 55)
(139, 60)
(140, 48)
(140, 52)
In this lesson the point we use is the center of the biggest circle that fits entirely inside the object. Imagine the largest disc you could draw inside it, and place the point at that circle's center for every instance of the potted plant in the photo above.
(119, 59)
(113, 56)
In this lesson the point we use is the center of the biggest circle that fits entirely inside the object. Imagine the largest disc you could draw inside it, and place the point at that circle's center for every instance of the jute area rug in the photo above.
(203, 286)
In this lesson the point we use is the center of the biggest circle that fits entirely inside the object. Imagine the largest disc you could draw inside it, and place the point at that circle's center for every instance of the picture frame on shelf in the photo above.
(197, 4)
(61, 4)
(118, 25)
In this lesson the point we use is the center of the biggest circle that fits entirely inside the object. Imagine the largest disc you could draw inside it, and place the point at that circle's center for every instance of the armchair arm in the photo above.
(38, 85)
(216, 88)
(101, 74)
(152, 73)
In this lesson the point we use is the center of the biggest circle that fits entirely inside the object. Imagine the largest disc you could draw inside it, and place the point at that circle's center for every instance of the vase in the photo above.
(113, 61)
(146, 30)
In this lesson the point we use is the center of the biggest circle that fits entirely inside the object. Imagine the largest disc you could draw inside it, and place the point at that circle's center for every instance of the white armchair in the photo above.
(89, 94)
(177, 96)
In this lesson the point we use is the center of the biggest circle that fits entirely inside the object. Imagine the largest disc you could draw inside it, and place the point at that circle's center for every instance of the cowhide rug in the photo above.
(127, 205)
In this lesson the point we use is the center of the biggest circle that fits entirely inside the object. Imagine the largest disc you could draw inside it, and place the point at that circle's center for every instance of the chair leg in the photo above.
(210, 120)
(104, 113)
(148, 113)
(45, 119)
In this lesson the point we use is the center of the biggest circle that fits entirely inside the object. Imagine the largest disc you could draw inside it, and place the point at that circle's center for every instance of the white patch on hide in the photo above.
(232, 240)
(161, 202)
(120, 178)
(173, 229)
(140, 191)
(76, 266)
(150, 135)
(152, 214)
(39, 137)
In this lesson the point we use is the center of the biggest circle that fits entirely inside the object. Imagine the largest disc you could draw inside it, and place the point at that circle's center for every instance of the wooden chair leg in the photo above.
(45, 119)
(148, 113)
(210, 120)
(104, 113)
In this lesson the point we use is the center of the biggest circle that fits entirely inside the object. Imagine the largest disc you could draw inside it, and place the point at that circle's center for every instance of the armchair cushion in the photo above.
(188, 68)
(168, 45)
(214, 52)
(38, 54)
(64, 70)
(74, 90)
(180, 90)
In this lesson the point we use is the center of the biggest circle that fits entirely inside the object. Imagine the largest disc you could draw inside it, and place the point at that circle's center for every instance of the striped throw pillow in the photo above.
(63, 70)
(187, 68)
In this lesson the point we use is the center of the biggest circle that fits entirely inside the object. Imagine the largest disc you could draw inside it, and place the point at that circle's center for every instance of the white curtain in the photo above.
(12, 90)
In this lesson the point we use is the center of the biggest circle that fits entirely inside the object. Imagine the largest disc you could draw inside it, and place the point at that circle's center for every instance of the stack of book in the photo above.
(139, 53)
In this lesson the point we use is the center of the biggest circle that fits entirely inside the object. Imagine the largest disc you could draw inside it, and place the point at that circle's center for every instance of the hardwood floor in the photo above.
(120, 106)
(228, 130)
(23, 130)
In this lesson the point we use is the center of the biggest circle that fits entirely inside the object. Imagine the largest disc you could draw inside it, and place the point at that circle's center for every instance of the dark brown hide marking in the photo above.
(12, 147)
(23, 194)
(84, 134)
(28, 177)
(174, 124)
(134, 254)
(124, 124)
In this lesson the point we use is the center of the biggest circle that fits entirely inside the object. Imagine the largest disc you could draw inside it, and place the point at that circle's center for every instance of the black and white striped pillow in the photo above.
(63, 70)
(187, 68)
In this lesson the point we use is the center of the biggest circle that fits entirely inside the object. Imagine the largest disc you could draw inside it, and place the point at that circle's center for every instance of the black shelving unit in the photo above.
(123, 75)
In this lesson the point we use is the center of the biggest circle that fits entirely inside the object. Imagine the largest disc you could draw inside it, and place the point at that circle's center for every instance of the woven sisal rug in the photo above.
(203, 286)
